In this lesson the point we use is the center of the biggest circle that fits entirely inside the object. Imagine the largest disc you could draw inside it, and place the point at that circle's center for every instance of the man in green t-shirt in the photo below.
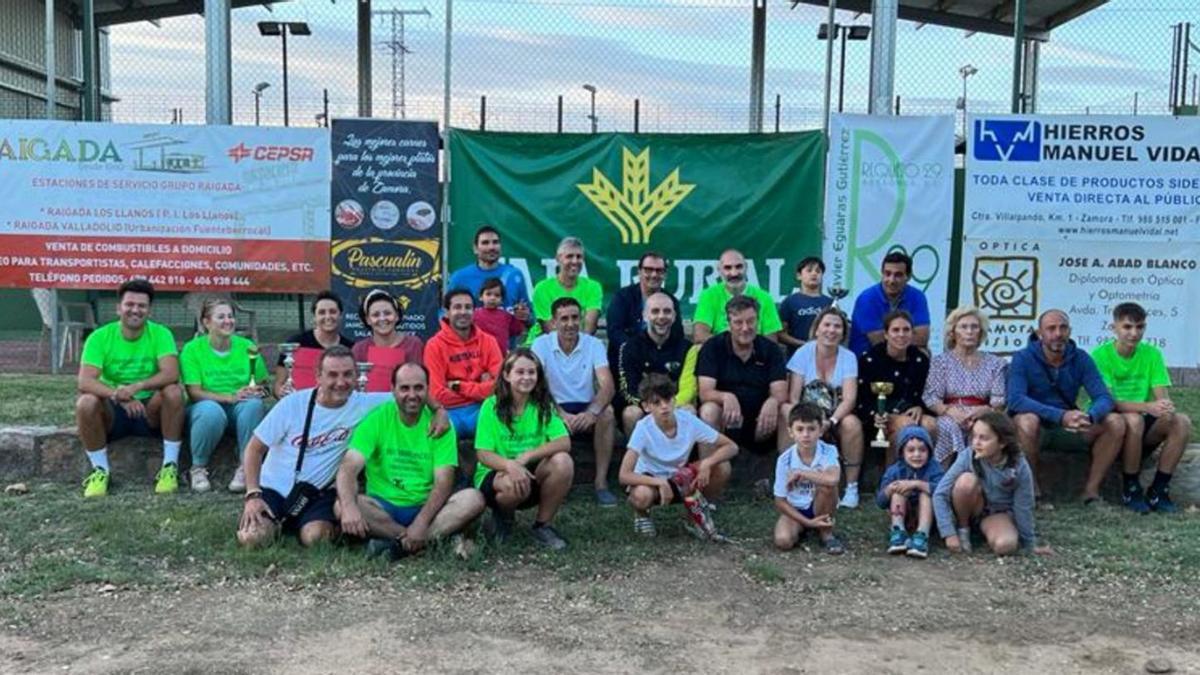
(129, 385)
(410, 496)
(1137, 377)
(566, 283)
(710, 316)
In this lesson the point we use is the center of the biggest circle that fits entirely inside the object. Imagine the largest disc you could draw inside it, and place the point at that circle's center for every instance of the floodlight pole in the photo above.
(884, 15)
(828, 67)
(91, 88)
(1018, 54)
(218, 98)
(364, 58)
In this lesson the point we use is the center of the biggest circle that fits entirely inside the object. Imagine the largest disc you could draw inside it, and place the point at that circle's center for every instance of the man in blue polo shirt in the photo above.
(891, 293)
(487, 265)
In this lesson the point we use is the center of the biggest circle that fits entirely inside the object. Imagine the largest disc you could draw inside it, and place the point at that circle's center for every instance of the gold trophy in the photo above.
(881, 390)
(289, 361)
(364, 367)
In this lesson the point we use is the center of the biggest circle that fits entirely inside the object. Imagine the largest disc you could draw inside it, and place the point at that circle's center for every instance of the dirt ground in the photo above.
(711, 613)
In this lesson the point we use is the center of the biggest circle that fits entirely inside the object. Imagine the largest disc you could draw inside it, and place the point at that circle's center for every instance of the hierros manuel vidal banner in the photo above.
(216, 208)
(1081, 213)
(385, 227)
(890, 188)
(688, 197)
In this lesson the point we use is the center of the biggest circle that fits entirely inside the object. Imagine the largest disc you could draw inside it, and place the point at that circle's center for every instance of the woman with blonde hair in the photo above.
(964, 382)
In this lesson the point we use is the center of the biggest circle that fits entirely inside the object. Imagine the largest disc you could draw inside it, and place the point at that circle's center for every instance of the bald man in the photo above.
(657, 349)
(1044, 381)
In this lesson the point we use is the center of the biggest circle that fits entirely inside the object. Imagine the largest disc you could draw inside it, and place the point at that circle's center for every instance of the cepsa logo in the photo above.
(271, 153)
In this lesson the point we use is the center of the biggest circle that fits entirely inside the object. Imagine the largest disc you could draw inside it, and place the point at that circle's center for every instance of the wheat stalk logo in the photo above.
(634, 210)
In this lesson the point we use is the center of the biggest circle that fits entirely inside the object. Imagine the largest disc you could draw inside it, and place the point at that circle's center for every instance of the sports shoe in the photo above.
(918, 545)
(238, 482)
(463, 548)
(380, 547)
(96, 483)
(501, 526)
(964, 539)
(850, 499)
(605, 498)
(547, 536)
(897, 540)
(167, 480)
(833, 545)
(1161, 501)
(198, 477)
(1134, 500)
(644, 526)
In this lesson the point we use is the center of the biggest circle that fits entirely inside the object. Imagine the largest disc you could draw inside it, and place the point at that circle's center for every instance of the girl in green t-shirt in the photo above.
(226, 380)
(519, 428)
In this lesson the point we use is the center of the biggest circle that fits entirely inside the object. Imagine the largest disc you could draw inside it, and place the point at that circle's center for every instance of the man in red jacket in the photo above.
(463, 364)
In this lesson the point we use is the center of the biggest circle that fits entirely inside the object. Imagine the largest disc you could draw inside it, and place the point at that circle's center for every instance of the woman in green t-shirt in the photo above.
(226, 380)
(519, 428)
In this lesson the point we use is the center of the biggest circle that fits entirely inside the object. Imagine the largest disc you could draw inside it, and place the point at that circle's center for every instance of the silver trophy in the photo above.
(288, 349)
(837, 293)
(364, 367)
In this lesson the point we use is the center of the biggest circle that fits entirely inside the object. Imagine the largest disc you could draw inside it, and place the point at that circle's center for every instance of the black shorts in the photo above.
(123, 425)
(320, 509)
(1148, 421)
(676, 495)
(488, 488)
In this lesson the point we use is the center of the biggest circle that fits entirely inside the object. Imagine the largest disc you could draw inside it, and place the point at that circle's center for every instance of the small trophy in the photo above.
(837, 293)
(288, 349)
(882, 390)
(252, 352)
(364, 367)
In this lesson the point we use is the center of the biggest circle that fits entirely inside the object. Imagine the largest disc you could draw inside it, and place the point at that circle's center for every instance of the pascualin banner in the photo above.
(385, 226)
(1081, 214)
(90, 205)
(688, 197)
(890, 188)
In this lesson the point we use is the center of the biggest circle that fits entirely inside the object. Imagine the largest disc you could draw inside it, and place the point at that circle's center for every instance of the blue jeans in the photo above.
(208, 421)
(465, 418)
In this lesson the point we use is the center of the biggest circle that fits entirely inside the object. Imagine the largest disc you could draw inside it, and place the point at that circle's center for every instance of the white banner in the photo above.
(88, 205)
(890, 186)
(1081, 214)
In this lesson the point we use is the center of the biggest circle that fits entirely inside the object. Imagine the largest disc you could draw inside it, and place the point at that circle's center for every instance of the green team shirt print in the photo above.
(122, 361)
(401, 460)
(711, 309)
(224, 374)
(587, 291)
(526, 434)
(1133, 379)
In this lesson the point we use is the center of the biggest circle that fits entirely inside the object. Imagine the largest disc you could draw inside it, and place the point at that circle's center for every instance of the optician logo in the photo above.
(634, 210)
(1008, 140)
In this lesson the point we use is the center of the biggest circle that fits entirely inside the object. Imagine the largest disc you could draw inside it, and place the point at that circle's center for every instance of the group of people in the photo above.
(481, 417)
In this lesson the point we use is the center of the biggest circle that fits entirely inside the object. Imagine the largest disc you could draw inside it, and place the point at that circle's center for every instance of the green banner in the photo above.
(686, 196)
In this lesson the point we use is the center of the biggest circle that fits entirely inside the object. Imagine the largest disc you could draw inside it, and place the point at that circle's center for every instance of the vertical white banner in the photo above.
(890, 187)
(1081, 213)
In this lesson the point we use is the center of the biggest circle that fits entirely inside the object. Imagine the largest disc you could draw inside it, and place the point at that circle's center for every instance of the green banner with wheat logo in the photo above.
(687, 196)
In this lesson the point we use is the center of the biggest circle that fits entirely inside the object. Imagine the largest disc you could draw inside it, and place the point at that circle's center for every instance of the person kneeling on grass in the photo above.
(656, 469)
(410, 495)
(520, 428)
(990, 485)
(906, 491)
(806, 480)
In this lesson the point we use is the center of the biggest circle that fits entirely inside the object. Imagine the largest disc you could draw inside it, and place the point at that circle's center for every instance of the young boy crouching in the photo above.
(656, 468)
(806, 479)
(906, 491)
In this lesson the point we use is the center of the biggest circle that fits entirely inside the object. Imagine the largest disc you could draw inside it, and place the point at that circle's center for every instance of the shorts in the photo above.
(1148, 421)
(123, 425)
(465, 418)
(488, 488)
(404, 515)
(320, 509)
(676, 495)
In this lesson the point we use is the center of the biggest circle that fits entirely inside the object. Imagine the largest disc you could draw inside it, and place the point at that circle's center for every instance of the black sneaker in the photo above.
(379, 547)
(1160, 501)
(547, 536)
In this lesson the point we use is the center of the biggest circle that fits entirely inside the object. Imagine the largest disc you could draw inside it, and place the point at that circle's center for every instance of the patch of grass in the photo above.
(763, 571)
(43, 400)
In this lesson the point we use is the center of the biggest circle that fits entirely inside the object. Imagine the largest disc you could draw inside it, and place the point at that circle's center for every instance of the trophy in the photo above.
(288, 349)
(882, 390)
(364, 367)
(252, 352)
(837, 293)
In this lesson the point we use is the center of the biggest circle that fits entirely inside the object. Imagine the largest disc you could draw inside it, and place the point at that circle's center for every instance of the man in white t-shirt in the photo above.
(337, 408)
(661, 445)
(581, 384)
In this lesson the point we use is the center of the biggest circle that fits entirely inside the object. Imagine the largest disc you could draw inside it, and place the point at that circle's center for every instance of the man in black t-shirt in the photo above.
(657, 349)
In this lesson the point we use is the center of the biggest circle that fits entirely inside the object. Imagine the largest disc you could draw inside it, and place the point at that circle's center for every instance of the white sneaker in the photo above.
(238, 483)
(199, 479)
(850, 499)
(964, 539)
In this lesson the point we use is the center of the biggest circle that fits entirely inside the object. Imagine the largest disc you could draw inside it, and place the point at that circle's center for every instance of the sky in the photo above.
(686, 61)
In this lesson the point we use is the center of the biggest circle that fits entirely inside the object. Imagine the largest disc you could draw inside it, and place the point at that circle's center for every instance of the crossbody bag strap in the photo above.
(312, 404)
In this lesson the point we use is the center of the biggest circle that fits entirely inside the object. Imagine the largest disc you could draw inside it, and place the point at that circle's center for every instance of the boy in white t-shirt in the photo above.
(806, 480)
(656, 468)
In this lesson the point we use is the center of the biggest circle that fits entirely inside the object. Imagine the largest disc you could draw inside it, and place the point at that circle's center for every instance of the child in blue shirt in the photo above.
(906, 491)
(798, 310)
